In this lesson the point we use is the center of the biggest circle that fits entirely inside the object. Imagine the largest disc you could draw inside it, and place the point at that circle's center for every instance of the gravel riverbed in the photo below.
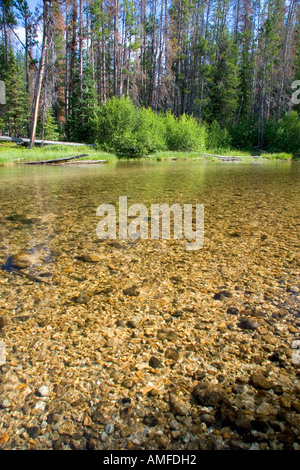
(147, 346)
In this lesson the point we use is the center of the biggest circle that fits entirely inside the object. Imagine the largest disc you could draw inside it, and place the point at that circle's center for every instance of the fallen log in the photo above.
(230, 156)
(24, 140)
(85, 162)
(54, 160)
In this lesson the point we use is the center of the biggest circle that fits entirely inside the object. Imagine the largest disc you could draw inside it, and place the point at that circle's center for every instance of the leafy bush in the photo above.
(150, 131)
(122, 128)
(277, 156)
(288, 134)
(184, 133)
(244, 135)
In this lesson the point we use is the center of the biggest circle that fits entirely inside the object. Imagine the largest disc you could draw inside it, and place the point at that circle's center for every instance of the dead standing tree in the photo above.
(47, 37)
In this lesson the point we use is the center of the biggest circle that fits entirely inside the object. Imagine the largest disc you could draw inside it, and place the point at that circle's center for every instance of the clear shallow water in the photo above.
(88, 317)
(251, 218)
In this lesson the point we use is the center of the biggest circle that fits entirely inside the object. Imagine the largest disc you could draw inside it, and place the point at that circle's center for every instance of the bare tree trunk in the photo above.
(39, 80)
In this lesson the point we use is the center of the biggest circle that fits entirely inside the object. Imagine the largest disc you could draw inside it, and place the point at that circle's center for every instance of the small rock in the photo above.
(82, 298)
(128, 383)
(293, 289)
(89, 258)
(296, 344)
(172, 353)
(285, 401)
(5, 403)
(258, 380)
(66, 428)
(248, 323)
(265, 409)
(208, 419)
(296, 357)
(155, 362)
(43, 391)
(177, 406)
(104, 436)
(131, 291)
(109, 428)
(207, 394)
(125, 431)
(134, 322)
(150, 420)
(40, 405)
(177, 314)
(292, 329)
(33, 431)
(3, 321)
(222, 295)
(233, 310)
(174, 425)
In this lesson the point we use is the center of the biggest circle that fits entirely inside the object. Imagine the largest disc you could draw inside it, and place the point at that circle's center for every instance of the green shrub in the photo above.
(127, 131)
(217, 138)
(244, 135)
(184, 133)
(277, 156)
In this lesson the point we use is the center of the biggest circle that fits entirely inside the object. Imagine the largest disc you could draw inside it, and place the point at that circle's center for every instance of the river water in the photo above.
(67, 309)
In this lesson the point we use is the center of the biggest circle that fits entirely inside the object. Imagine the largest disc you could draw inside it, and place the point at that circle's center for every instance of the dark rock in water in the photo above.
(166, 333)
(131, 291)
(177, 314)
(233, 310)
(21, 219)
(248, 323)
(150, 420)
(259, 381)
(82, 298)
(89, 258)
(235, 234)
(222, 295)
(175, 278)
(208, 419)
(155, 362)
(172, 353)
(3, 321)
(19, 261)
(207, 394)
(33, 431)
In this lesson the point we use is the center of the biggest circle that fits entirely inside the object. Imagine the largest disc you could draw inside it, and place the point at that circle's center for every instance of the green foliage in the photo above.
(288, 133)
(184, 133)
(114, 124)
(217, 138)
(126, 130)
(16, 107)
(281, 136)
(82, 106)
(50, 127)
(243, 135)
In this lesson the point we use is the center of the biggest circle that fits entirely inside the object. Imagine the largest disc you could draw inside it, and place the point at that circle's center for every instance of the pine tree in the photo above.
(15, 111)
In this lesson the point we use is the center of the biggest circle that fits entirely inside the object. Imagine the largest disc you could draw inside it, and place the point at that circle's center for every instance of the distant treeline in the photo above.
(228, 63)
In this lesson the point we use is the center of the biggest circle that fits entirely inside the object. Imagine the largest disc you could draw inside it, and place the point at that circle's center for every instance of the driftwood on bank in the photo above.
(23, 140)
(54, 160)
(223, 157)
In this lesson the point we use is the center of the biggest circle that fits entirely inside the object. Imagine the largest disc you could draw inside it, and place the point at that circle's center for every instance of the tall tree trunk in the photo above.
(39, 79)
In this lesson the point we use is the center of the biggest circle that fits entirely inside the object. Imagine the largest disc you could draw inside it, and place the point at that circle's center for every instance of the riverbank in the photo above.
(14, 154)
